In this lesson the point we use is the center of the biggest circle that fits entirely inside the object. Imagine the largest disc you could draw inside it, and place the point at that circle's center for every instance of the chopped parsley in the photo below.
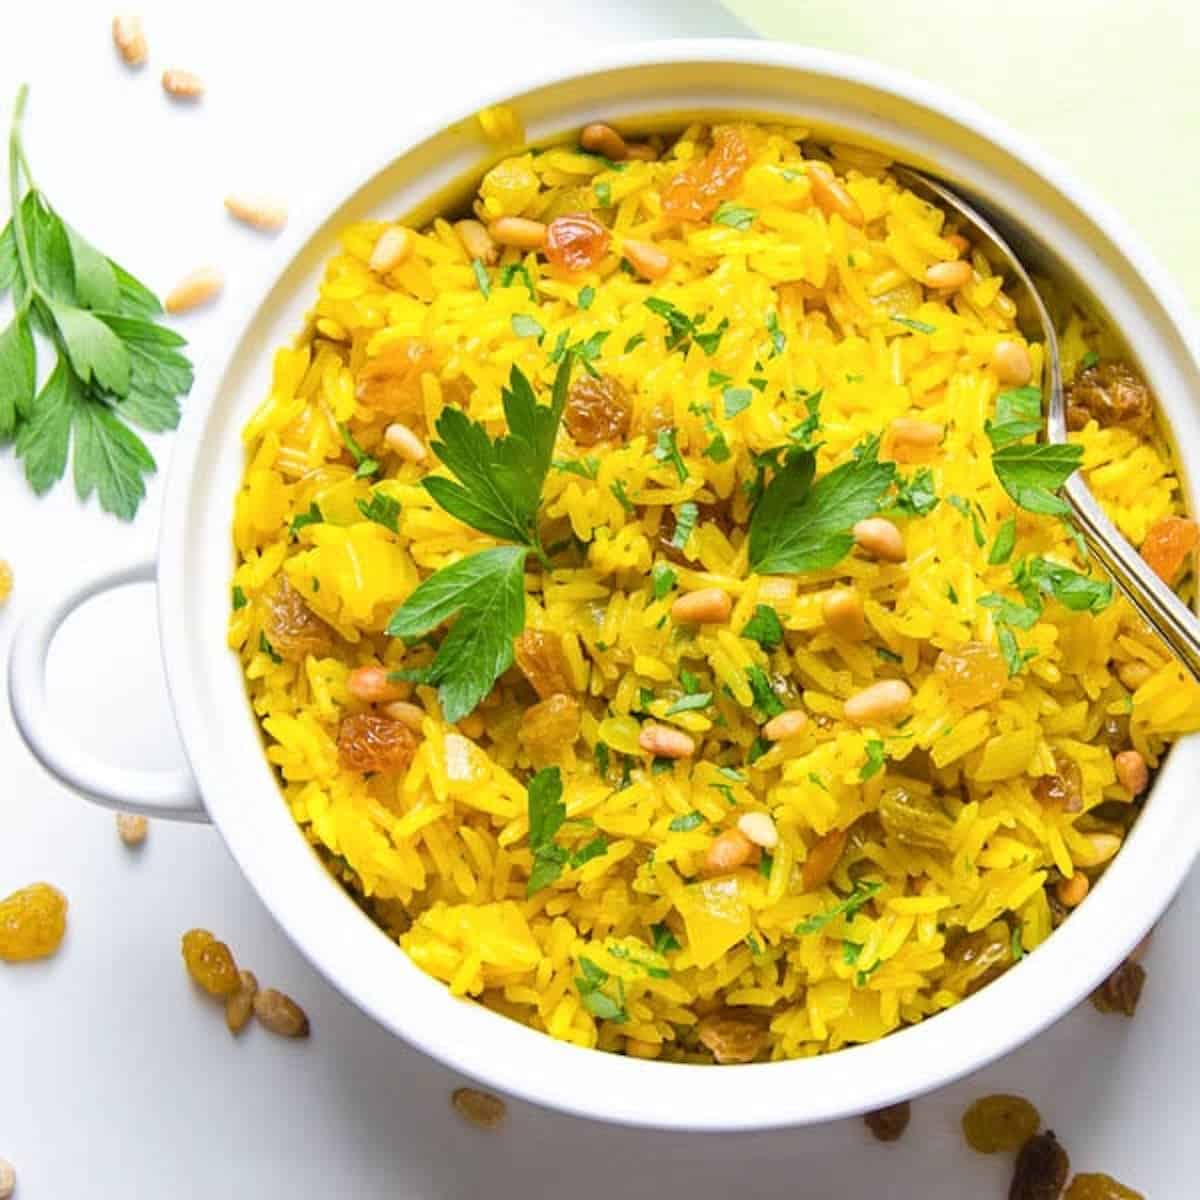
(718, 449)
(961, 505)
(662, 579)
(667, 450)
(481, 277)
(1018, 950)
(686, 823)
(690, 703)
(1006, 540)
(915, 326)
(523, 325)
(736, 216)
(764, 627)
(915, 497)
(765, 699)
(717, 378)
(1014, 657)
(365, 465)
(599, 1003)
(383, 510)
(1018, 414)
(268, 649)
(1090, 359)
(312, 517)
(634, 342)
(239, 599)
(710, 341)
(617, 487)
(664, 940)
(547, 815)
(603, 190)
(863, 891)
(778, 337)
(875, 760)
(514, 271)
(735, 400)
(586, 296)
(587, 467)
(685, 522)
(888, 655)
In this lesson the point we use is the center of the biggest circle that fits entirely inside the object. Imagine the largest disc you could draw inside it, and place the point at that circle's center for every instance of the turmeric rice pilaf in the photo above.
(660, 611)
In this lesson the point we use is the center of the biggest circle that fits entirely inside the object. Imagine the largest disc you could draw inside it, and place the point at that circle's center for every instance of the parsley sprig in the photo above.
(497, 488)
(114, 365)
(1031, 473)
(547, 815)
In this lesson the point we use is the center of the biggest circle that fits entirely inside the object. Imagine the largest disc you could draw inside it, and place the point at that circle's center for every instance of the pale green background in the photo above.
(1111, 88)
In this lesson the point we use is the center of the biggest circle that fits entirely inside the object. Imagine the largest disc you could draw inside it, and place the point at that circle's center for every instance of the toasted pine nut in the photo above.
(759, 827)
(786, 725)
(1101, 847)
(704, 607)
(1132, 773)
(8, 1179)
(636, 1048)
(842, 609)
(959, 242)
(519, 232)
(477, 242)
(402, 441)
(132, 828)
(371, 685)
(1010, 361)
(880, 539)
(129, 38)
(603, 139)
(392, 248)
(648, 260)
(911, 435)
(642, 151)
(407, 713)
(480, 1108)
(831, 197)
(256, 211)
(883, 701)
(728, 851)
(948, 276)
(194, 290)
(239, 1005)
(1134, 674)
(1071, 892)
(182, 85)
(663, 742)
(280, 1014)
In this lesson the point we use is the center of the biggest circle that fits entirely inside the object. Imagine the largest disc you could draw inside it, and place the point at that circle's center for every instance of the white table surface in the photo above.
(117, 1080)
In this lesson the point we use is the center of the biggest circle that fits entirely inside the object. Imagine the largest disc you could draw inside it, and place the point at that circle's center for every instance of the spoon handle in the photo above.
(1162, 610)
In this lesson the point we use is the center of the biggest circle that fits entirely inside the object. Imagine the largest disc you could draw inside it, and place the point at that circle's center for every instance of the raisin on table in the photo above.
(1120, 992)
(1099, 1187)
(33, 922)
(210, 963)
(1041, 1170)
(1000, 1122)
(888, 1124)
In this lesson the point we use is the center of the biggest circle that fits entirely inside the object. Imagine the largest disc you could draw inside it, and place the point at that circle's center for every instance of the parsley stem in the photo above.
(16, 161)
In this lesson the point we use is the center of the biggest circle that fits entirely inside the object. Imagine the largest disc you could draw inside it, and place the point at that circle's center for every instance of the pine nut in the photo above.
(480, 1108)
(883, 701)
(193, 290)
(831, 197)
(132, 828)
(959, 242)
(605, 140)
(239, 1005)
(519, 232)
(130, 39)
(477, 242)
(182, 85)
(1134, 674)
(878, 537)
(1101, 847)
(371, 685)
(8, 1179)
(392, 248)
(727, 852)
(1011, 362)
(912, 435)
(759, 827)
(402, 441)
(843, 611)
(648, 260)
(280, 1014)
(1071, 892)
(704, 607)
(786, 725)
(641, 151)
(1132, 773)
(407, 713)
(256, 211)
(666, 743)
(948, 276)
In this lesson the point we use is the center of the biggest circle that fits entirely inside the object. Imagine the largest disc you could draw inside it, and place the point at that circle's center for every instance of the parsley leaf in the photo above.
(547, 815)
(515, 270)
(765, 699)
(1005, 542)
(663, 579)
(481, 277)
(961, 505)
(664, 939)
(685, 522)
(915, 497)
(617, 487)
(586, 296)
(764, 627)
(1008, 612)
(690, 703)
(1079, 593)
(915, 326)
(597, 1002)
(686, 823)
(365, 465)
(239, 599)
(1014, 657)
(800, 526)
(383, 510)
(268, 649)
(735, 400)
(314, 516)
(523, 325)
(486, 591)
(736, 216)
(667, 450)
(863, 891)
(875, 760)
(1018, 414)
(1031, 474)
(778, 337)
(1090, 359)
(587, 467)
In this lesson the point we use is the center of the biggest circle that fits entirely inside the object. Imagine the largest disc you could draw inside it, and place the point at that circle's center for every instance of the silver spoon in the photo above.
(1170, 618)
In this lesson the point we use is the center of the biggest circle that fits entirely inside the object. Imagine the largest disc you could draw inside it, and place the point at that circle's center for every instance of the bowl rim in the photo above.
(511, 1057)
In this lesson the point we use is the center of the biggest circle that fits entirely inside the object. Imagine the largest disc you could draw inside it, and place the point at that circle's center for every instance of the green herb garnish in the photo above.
(765, 699)
(916, 326)
(1018, 414)
(365, 465)
(586, 296)
(1005, 542)
(875, 760)
(778, 337)
(666, 449)
(312, 517)
(547, 815)
(597, 1002)
(915, 497)
(663, 579)
(863, 891)
(1090, 359)
(383, 510)
(735, 400)
(524, 325)
(736, 216)
(268, 649)
(685, 522)
(686, 823)
(239, 599)
(587, 467)
(664, 939)
(690, 703)
(764, 627)
(618, 489)
(481, 277)
(603, 190)
(961, 505)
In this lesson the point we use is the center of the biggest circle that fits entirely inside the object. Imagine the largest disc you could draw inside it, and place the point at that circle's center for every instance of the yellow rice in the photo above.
(440, 856)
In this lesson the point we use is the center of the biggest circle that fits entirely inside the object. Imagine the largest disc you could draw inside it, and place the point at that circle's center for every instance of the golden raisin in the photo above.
(972, 674)
(1041, 1169)
(913, 820)
(239, 1005)
(372, 744)
(280, 1014)
(995, 1123)
(822, 858)
(210, 963)
(1064, 788)
(1113, 393)
(550, 725)
(598, 410)
(480, 1108)
(391, 382)
(699, 188)
(33, 922)
(1167, 545)
(576, 241)
(888, 1124)
(543, 662)
(1122, 990)
(730, 1038)
(975, 959)
(292, 628)
(1099, 1187)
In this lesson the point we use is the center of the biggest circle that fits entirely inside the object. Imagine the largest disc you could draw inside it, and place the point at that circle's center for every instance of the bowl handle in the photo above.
(168, 793)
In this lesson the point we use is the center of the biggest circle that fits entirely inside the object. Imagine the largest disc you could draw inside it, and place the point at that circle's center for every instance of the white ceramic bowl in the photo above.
(862, 102)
